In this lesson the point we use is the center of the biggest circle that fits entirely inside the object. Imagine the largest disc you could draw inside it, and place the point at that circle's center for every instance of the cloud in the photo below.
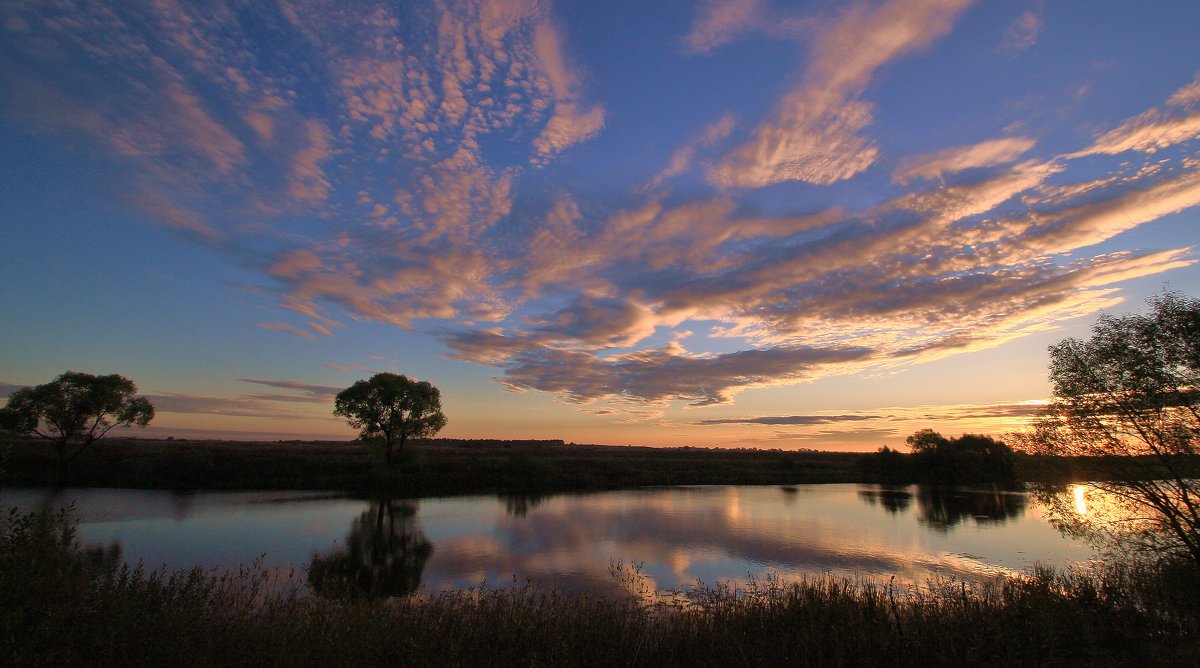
(303, 391)
(286, 327)
(1148, 132)
(792, 419)
(1022, 34)
(572, 121)
(815, 134)
(681, 160)
(721, 21)
(1154, 129)
(1187, 96)
(661, 374)
(394, 163)
(948, 161)
(250, 407)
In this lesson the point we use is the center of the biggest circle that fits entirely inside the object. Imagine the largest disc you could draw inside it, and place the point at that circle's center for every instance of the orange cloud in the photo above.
(984, 154)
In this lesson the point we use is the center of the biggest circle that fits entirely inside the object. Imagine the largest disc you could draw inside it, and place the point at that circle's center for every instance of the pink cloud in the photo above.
(815, 134)
(286, 327)
(947, 161)
(1023, 33)
(721, 21)
(572, 121)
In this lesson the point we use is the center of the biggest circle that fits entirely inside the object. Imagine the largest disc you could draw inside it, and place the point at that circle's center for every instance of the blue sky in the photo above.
(734, 223)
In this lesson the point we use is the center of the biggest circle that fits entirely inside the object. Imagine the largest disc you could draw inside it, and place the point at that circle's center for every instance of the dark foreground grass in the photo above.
(64, 606)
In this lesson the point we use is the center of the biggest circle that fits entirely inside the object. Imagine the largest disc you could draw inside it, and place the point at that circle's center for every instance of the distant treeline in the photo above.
(458, 466)
(433, 467)
(935, 459)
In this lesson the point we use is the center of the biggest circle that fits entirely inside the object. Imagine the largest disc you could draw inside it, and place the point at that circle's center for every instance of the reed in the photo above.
(68, 606)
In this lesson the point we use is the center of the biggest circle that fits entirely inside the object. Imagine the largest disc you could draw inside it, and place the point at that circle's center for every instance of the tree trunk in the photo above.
(61, 448)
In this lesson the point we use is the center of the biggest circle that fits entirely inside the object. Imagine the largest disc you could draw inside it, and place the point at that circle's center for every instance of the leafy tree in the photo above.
(935, 459)
(393, 408)
(75, 410)
(926, 440)
(1131, 394)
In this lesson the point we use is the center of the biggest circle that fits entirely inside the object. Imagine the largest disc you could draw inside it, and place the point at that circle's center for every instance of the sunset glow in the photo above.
(733, 223)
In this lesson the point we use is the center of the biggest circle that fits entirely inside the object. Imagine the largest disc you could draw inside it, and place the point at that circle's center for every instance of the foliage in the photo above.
(392, 408)
(75, 409)
(970, 458)
(1131, 393)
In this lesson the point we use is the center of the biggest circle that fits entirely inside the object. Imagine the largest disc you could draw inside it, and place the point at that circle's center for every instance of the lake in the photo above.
(673, 537)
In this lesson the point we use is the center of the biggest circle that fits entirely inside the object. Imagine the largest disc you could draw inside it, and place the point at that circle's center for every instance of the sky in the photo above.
(729, 223)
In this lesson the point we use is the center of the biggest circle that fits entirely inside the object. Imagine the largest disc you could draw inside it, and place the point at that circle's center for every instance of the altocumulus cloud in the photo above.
(397, 163)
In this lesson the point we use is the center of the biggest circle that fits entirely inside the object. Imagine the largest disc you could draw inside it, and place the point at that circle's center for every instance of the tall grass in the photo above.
(66, 606)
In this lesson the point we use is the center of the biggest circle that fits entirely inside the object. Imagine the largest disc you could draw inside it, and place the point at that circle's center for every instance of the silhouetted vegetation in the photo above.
(968, 459)
(438, 466)
(390, 409)
(1131, 395)
(64, 607)
(74, 411)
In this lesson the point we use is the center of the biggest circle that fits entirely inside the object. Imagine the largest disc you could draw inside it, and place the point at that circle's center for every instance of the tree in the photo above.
(393, 408)
(1131, 394)
(75, 410)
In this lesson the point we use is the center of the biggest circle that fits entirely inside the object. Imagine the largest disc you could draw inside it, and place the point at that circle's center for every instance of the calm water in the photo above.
(678, 535)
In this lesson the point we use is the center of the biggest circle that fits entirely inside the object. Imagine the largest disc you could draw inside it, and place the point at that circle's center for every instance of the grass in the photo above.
(65, 606)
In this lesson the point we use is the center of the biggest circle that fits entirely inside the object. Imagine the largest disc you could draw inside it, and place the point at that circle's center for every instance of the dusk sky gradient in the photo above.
(733, 223)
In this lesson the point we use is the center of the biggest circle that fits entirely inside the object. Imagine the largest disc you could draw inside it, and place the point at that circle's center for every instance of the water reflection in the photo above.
(384, 554)
(519, 505)
(893, 499)
(943, 508)
(677, 535)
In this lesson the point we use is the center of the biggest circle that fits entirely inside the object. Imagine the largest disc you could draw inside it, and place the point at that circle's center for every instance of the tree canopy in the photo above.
(936, 459)
(75, 409)
(393, 408)
(1131, 394)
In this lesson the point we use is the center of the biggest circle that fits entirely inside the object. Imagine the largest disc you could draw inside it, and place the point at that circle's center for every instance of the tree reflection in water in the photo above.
(519, 505)
(942, 508)
(384, 555)
(893, 499)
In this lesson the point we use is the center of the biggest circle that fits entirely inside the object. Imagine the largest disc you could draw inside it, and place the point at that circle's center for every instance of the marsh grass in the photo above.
(67, 606)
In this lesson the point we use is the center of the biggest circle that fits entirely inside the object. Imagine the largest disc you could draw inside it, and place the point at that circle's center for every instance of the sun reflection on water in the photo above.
(1080, 503)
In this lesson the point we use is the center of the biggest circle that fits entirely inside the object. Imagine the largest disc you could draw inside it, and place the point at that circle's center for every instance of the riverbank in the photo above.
(68, 606)
(447, 466)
